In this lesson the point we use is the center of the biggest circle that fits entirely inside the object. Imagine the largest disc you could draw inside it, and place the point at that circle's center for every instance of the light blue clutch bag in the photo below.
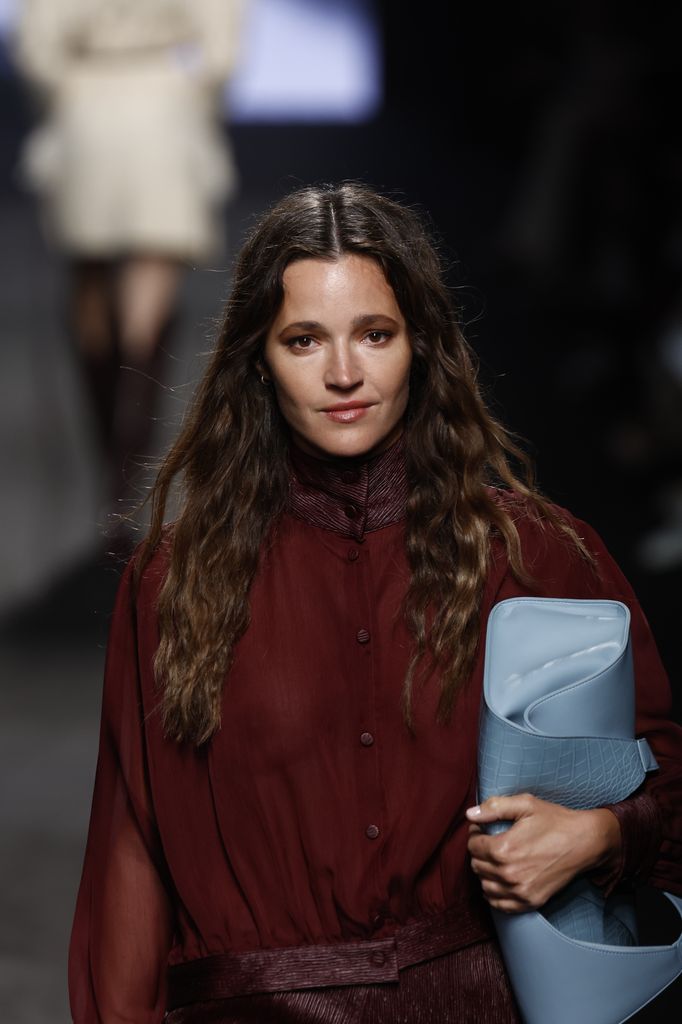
(558, 721)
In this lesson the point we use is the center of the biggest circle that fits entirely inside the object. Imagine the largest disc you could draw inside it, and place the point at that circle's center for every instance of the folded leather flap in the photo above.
(543, 654)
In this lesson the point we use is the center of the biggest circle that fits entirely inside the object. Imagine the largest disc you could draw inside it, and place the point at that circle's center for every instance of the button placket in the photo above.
(372, 802)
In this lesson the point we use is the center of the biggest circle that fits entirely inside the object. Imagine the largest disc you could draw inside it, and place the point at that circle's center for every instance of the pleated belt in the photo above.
(319, 966)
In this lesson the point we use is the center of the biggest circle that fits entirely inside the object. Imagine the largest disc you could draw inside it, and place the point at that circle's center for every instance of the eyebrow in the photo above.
(358, 322)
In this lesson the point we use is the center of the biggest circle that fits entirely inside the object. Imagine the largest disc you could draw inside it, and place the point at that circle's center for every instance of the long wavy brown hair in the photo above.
(232, 466)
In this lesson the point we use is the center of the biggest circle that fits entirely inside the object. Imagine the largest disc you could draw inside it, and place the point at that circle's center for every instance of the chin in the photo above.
(347, 446)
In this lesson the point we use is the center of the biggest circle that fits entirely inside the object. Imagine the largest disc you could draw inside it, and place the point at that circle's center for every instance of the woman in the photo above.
(131, 162)
(287, 762)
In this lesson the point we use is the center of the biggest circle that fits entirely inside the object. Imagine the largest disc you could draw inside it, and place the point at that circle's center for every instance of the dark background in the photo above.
(544, 142)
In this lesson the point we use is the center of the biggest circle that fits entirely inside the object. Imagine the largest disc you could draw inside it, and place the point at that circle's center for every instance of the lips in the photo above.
(347, 412)
(343, 406)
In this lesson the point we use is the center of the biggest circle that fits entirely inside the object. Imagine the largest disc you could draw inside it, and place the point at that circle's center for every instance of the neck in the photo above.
(350, 496)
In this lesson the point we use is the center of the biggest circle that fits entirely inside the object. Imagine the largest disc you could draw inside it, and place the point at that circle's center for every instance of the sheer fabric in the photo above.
(314, 816)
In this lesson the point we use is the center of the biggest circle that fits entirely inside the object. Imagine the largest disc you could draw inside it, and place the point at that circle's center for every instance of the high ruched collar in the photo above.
(349, 496)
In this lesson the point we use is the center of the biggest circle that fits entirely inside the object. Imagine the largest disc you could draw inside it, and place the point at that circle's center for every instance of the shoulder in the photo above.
(143, 575)
(538, 526)
(535, 525)
(563, 554)
(134, 626)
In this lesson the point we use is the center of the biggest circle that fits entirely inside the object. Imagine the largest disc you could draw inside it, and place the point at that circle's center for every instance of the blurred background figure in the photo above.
(132, 165)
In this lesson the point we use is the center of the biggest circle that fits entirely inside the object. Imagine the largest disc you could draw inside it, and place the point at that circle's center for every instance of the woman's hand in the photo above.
(546, 847)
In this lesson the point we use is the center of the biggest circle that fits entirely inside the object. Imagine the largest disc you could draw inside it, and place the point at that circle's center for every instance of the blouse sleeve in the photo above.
(123, 926)
(651, 819)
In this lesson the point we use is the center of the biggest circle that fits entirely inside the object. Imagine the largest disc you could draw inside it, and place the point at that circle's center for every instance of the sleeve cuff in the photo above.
(640, 830)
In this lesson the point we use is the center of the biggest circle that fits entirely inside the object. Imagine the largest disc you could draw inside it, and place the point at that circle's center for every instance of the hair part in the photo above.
(231, 462)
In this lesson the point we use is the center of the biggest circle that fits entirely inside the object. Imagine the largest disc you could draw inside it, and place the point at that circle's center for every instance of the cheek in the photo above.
(292, 391)
(401, 378)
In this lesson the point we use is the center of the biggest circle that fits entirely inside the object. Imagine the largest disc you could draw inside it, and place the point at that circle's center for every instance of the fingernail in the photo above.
(473, 812)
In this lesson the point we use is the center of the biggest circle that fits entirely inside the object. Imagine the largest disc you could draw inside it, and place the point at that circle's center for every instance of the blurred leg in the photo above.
(147, 296)
(92, 321)
(146, 305)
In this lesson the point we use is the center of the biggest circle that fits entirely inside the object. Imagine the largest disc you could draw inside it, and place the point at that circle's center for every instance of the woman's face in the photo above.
(339, 356)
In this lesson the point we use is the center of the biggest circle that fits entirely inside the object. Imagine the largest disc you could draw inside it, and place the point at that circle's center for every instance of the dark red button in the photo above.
(350, 476)
(351, 511)
(372, 831)
(377, 958)
(353, 554)
(362, 636)
(377, 921)
(367, 739)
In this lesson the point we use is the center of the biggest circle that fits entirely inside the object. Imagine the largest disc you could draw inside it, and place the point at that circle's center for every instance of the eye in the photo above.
(302, 342)
(376, 337)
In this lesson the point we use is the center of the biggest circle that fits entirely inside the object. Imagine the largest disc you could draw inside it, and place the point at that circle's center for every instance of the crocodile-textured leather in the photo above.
(580, 912)
(578, 773)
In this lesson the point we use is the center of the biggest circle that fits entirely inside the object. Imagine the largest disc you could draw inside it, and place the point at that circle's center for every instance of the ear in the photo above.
(263, 372)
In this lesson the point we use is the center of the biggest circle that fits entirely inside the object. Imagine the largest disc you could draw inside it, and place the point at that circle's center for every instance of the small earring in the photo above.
(264, 380)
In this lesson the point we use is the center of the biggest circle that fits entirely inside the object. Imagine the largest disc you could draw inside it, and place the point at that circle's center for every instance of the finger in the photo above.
(506, 905)
(476, 843)
(502, 808)
(487, 871)
(479, 846)
(494, 850)
(495, 890)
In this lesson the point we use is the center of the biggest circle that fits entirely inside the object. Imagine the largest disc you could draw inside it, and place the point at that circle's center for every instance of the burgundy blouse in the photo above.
(314, 817)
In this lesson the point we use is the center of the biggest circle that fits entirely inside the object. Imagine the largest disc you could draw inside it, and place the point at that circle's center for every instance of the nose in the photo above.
(343, 368)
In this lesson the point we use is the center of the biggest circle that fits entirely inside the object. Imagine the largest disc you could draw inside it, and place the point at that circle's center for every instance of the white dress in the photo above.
(132, 154)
